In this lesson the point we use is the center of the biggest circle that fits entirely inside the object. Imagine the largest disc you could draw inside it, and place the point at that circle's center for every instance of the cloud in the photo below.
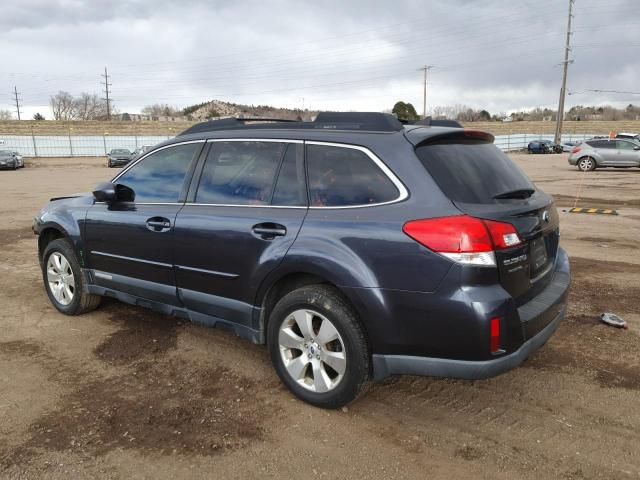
(360, 54)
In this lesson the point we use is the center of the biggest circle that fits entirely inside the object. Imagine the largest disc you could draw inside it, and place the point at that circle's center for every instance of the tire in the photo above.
(586, 164)
(109, 165)
(301, 360)
(60, 265)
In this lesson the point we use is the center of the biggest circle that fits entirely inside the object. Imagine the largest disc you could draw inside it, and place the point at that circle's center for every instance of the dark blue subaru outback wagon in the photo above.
(354, 246)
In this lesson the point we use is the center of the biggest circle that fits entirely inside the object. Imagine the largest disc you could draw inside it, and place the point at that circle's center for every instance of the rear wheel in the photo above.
(586, 164)
(63, 279)
(318, 347)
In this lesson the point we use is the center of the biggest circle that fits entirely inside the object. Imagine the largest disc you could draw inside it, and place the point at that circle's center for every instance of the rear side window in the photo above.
(158, 178)
(240, 173)
(602, 144)
(340, 176)
(472, 172)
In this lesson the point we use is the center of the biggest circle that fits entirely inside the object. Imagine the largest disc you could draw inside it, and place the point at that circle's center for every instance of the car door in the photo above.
(129, 245)
(627, 155)
(243, 213)
(607, 151)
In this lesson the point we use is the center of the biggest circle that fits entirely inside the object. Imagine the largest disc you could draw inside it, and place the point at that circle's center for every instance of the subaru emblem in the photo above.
(545, 216)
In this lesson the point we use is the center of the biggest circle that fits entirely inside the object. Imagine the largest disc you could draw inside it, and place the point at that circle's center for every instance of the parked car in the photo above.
(140, 150)
(353, 246)
(598, 153)
(118, 157)
(631, 136)
(19, 159)
(543, 146)
(8, 160)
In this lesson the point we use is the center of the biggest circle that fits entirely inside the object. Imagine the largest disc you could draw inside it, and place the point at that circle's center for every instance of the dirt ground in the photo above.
(126, 393)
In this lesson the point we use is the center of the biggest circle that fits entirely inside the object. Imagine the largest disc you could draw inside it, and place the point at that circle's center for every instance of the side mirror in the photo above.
(105, 192)
(109, 193)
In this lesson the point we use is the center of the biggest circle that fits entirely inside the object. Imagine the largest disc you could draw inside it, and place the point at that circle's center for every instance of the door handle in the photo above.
(158, 224)
(268, 231)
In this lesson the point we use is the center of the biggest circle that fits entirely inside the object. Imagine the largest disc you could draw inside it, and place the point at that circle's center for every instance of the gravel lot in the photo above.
(127, 393)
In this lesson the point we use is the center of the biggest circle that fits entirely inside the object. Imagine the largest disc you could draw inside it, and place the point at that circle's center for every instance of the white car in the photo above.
(631, 136)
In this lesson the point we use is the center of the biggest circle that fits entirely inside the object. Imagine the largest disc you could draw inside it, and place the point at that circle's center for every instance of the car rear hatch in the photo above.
(484, 183)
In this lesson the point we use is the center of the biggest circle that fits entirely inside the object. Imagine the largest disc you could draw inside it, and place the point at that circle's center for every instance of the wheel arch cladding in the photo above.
(291, 281)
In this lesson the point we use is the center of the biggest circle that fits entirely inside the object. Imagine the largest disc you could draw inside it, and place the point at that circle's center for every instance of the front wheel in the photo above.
(318, 347)
(63, 279)
(586, 164)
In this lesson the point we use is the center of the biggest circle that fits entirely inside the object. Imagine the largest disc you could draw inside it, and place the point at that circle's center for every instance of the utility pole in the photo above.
(425, 69)
(565, 67)
(106, 92)
(15, 93)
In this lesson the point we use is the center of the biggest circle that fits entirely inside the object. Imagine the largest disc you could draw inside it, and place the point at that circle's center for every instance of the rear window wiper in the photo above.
(519, 193)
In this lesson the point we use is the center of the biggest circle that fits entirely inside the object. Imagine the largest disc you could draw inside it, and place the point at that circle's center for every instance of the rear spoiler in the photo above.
(423, 136)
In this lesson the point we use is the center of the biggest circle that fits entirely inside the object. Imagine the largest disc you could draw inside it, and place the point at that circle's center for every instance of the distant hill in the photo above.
(220, 109)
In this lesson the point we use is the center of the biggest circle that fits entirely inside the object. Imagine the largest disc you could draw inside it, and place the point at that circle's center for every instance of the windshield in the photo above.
(120, 151)
(473, 172)
(6, 153)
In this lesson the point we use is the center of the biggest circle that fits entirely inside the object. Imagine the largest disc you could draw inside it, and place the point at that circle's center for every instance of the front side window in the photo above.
(622, 145)
(159, 177)
(240, 173)
(340, 176)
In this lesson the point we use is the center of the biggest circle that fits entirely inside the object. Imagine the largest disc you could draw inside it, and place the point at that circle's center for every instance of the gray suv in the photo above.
(596, 153)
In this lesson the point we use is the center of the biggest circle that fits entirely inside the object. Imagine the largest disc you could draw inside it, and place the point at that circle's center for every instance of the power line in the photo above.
(565, 67)
(17, 100)
(596, 90)
(106, 92)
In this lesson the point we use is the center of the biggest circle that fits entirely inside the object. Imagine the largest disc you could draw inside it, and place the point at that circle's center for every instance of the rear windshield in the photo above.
(472, 172)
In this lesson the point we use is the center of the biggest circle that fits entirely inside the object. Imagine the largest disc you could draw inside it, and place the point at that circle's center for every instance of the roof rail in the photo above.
(363, 121)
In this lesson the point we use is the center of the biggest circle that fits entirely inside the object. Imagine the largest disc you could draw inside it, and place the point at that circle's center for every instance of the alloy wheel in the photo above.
(312, 350)
(60, 277)
(586, 164)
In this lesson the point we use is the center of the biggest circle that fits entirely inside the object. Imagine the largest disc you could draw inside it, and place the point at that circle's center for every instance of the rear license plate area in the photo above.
(538, 256)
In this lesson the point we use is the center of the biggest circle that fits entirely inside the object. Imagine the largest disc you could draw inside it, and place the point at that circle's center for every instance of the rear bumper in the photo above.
(539, 318)
(385, 365)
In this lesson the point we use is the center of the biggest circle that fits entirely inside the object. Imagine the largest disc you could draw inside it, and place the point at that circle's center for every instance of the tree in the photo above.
(89, 107)
(161, 110)
(39, 117)
(62, 105)
(405, 111)
(484, 116)
(6, 115)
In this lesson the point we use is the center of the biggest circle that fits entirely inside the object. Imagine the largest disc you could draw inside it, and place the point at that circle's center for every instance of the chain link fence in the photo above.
(74, 145)
(99, 145)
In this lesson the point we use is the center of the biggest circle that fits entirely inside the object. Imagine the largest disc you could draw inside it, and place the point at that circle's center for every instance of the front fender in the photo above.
(65, 217)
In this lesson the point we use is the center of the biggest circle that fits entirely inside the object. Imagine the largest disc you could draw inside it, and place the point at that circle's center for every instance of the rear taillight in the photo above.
(576, 150)
(494, 335)
(464, 239)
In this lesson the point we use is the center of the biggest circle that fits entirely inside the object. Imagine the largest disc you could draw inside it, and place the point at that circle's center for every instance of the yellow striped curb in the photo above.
(599, 211)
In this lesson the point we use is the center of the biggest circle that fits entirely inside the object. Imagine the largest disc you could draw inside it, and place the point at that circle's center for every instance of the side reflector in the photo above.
(494, 335)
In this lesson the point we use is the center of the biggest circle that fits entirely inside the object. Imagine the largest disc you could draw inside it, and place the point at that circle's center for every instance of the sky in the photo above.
(500, 55)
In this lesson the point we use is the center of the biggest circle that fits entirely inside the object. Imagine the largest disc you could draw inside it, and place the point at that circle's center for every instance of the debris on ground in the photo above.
(613, 320)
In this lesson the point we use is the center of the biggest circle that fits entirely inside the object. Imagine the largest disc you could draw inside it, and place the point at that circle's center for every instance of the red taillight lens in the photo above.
(504, 235)
(464, 239)
(576, 150)
(494, 335)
